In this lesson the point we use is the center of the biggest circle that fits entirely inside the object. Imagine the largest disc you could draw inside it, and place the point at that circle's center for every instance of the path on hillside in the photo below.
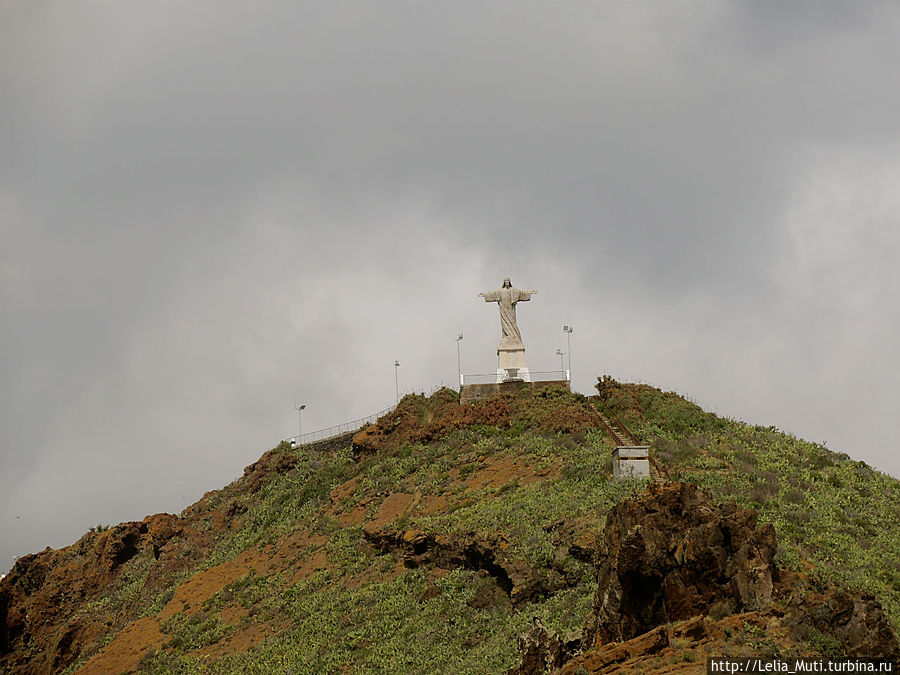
(622, 435)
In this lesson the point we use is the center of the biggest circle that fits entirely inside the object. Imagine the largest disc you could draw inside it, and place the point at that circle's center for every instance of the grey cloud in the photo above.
(209, 212)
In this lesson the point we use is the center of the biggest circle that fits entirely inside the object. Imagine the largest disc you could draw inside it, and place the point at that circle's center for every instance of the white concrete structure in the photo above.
(511, 364)
(631, 461)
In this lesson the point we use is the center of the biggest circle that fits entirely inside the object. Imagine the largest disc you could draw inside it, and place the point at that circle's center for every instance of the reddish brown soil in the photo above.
(391, 508)
(498, 470)
(239, 641)
(124, 653)
(420, 420)
(190, 596)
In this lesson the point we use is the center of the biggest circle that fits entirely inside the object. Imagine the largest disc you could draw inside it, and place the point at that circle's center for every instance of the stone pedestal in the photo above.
(631, 461)
(511, 366)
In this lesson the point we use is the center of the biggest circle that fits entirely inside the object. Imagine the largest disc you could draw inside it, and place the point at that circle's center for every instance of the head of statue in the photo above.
(507, 283)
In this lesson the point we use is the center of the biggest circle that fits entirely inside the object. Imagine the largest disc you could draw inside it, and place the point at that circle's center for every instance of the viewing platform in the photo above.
(482, 386)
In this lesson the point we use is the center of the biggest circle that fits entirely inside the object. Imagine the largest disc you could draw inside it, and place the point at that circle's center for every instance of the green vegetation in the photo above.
(523, 513)
(383, 627)
(285, 502)
(839, 515)
(528, 466)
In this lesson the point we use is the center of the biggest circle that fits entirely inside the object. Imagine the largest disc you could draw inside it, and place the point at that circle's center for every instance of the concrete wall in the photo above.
(478, 392)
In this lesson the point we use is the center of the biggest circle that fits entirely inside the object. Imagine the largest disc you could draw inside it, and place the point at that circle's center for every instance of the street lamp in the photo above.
(397, 380)
(299, 408)
(568, 331)
(560, 353)
(458, 362)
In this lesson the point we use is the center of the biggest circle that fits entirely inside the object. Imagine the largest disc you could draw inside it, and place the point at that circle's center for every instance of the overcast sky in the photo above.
(210, 211)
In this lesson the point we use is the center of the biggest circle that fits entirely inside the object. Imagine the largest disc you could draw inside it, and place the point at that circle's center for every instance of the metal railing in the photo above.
(532, 376)
(353, 425)
(337, 430)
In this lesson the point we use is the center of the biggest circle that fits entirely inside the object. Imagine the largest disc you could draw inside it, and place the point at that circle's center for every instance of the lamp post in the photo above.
(299, 409)
(458, 362)
(397, 380)
(560, 353)
(568, 331)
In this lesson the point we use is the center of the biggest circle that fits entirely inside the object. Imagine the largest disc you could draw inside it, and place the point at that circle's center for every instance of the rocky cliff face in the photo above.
(676, 573)
(671, 555)
(42, 625)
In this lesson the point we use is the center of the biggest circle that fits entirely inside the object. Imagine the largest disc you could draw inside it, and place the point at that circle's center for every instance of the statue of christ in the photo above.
(507, 297)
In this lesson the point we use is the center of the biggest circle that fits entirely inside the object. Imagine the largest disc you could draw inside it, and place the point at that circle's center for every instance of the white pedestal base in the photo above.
(511, 366)
(513, 375)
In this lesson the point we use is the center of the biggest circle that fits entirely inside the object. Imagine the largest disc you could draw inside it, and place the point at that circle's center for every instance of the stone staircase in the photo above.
(620, 433)
(623, 437)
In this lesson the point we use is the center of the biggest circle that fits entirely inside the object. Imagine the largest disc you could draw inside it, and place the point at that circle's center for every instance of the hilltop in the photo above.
(448, 538)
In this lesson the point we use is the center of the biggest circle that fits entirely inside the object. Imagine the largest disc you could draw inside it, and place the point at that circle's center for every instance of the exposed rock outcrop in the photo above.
(543, 651)
(853, 618)
(669, 558)
(670, 555)
(44, 589)
(517, 579)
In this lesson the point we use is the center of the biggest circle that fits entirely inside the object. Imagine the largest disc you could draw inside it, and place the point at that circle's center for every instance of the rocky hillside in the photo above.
(482, 539)
(680, 578)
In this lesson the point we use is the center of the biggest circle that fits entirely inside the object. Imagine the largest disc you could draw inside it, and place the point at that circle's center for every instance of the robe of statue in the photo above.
(506, 298)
